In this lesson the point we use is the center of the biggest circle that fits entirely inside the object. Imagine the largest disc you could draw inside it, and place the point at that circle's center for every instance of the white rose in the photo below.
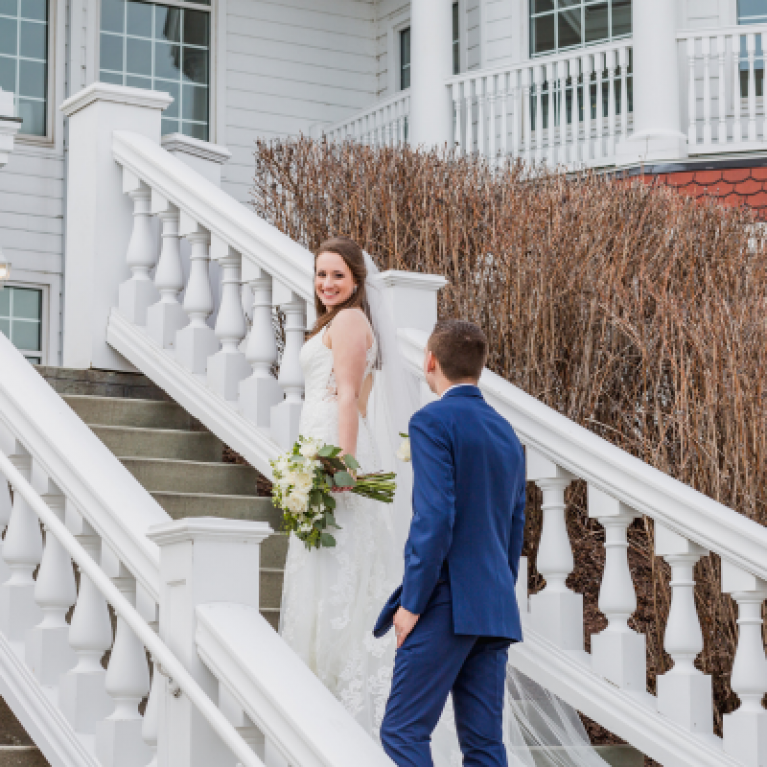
(297, 502)
(304, 483)
(403, 453)
(309, 448)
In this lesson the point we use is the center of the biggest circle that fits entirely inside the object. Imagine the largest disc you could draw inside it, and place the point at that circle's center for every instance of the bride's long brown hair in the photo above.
(355, 260)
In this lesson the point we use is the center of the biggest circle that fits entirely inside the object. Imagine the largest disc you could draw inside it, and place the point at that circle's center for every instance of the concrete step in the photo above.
(138, 413)
(16, 747)
(615, 756)
(160, 443)
(21, 756)
(271, 588)
(161, 474)
(101, 383)
(180, 505)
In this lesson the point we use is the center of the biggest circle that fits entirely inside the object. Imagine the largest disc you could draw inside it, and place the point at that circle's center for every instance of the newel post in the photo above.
(202, 560)
(100, 218)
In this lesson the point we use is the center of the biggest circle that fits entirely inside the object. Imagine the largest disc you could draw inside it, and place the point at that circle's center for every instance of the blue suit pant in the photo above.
(432, 663)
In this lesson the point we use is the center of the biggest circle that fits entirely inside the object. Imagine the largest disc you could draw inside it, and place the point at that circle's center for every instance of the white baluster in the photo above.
(48, 652)
(82, 695)
(481, 130)
(737, 127)
(551, 142)
(228, 367)
(762, 41)
(610, 61)
(197, 341)
(684, 693)
(150, 728)
(586, 68)
(556, 611)
(261, 391)
(119, 742)
(165, 318)
(491, 120)
(456, 94)
(721, 51)
(617, 653)
(539, 79)
(745, 730)
(575, 115)
(139, 293)
(521, 137)
(286, 415)
(562, 141)
(599, 67)
(692, 100)
(503, 97)
(706, 55)
(467, 94)
(751, 50)
(22, 551)
(623, 60)
(6, 504)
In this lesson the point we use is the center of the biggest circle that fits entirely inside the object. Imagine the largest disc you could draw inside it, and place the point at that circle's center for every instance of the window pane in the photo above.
(175, 91)
(195, 131)
(196, 65)
(33, 115)
(9, 7)
(541, 6)
(196, 30)
(139, 19)
(752, 11)
(32, 78)
(111, 52)
(570, 28)
(597, 23)
(7, 74)
(621, 17)
(5, 302)
(168, 23)
(167, 60)
(139, 57)
(195, 103)
(543, 34)
(456, 40)
(404, 38)
(27, 304)
(26, 335)
(111, 77)
(113, 15)
(568, 3)
(34, 9)
(5, 328)
(139, 82)
(33, 39)
(8, 33)
(169, 126)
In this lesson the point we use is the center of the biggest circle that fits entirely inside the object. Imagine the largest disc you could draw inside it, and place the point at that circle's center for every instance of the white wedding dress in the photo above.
(332, 597)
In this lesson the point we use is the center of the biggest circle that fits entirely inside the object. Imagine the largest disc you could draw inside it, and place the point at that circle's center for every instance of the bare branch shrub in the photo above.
(636, 312)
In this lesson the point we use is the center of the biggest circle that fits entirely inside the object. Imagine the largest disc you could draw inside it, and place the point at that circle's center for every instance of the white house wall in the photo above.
(289, 65)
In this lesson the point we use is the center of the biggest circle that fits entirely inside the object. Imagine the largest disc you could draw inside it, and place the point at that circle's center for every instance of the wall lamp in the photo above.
(5, 271)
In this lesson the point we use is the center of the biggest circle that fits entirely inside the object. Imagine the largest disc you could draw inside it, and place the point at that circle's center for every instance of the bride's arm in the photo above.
(349, 342)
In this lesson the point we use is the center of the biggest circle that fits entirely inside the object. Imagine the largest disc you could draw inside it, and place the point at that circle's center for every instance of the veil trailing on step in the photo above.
(540, 730)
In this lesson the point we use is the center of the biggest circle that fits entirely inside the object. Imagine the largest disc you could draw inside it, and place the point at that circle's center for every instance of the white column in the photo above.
(99, 222)
(431, 64)
(48, 652)
(22, 551)
(228, 367)
(138, 293)
(745, 730)
(166, 317)
(82, 697)
(260, 392)
(201, 561)
(119, 740)
(197, 341)
(412, 298)
(684, 692)
(557, 612)
(657, 116)
(618, 653)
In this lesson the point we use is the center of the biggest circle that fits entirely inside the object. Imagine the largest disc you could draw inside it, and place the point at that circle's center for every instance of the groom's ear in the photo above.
(431, 361)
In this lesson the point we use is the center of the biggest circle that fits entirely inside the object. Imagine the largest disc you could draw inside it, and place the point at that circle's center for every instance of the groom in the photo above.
(456, 613)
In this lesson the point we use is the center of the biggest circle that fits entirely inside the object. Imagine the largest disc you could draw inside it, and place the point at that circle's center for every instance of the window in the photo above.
(162, 48)
(456, 40)
(24, 60)
(21, 320)
(404, 59)
(752, 12)
(559, 24)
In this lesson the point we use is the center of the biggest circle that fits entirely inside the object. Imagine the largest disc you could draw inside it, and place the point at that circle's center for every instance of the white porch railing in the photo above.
(383, 124)
(725, 96)
(568, 109)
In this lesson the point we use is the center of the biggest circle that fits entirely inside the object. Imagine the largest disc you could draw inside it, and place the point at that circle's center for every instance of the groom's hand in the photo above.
(404, 623)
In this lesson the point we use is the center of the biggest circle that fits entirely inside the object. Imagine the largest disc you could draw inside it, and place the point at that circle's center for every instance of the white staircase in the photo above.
(225, 689)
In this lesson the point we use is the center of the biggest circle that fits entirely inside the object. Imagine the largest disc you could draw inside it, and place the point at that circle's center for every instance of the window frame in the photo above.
(216, 73)
(45, 316)
(398, 37)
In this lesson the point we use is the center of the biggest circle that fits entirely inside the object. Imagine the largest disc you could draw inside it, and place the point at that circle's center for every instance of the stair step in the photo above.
(21, 756)
(141, 413)
(100, 383)
(160, 474)
(181, 505)
(271, 588)
(16, 747)
(160, 443)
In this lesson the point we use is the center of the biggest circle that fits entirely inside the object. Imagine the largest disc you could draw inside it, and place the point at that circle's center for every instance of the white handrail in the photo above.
(742, 29)
(124, 609)
(619, 474)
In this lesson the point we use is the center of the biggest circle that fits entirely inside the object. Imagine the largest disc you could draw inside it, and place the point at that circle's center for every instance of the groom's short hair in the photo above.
(460, 348)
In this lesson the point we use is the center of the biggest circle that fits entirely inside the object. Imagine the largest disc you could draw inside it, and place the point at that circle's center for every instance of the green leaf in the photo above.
(331, 520)
(315, 497)
(326, 451)
(330, 502)
(351, 462)
(344, 479)
(337, 464)
(404, 436)
(326, 539)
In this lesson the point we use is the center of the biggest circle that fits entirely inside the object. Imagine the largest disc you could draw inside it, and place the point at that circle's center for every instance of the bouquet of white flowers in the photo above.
(304, 479)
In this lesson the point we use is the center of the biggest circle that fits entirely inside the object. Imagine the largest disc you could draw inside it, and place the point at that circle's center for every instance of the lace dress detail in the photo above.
(331, 597)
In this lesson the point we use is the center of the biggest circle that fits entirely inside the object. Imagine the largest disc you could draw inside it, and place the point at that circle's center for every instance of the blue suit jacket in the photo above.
(468, 516)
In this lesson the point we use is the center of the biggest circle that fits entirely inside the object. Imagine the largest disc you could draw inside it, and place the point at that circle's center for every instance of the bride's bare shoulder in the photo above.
(349, 323)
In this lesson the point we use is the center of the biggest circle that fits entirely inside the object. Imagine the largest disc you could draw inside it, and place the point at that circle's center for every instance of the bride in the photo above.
(332, 596)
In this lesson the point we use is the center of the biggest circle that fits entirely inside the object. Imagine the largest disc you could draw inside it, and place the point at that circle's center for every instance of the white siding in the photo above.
(291, 64)
(391, 15)
(499, 32)
(473, 34)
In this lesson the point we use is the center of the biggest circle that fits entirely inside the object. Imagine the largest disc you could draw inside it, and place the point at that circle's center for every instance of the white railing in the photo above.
(725, 97)
(568, 109)
(384, 124)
